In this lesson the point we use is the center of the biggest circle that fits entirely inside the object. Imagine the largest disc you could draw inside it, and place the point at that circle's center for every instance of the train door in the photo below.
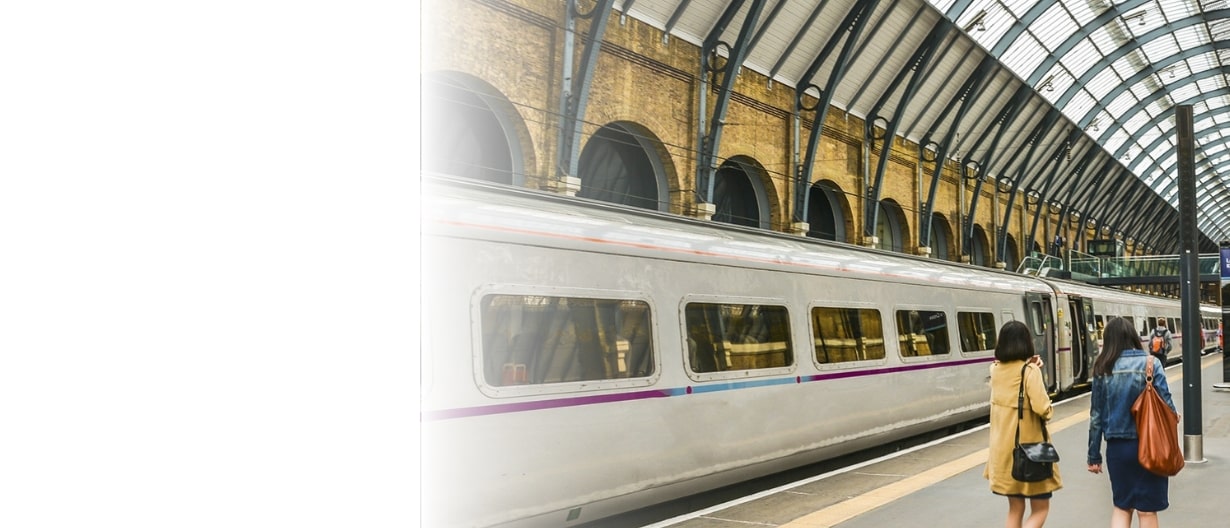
(1084, 339)
(1041, 323)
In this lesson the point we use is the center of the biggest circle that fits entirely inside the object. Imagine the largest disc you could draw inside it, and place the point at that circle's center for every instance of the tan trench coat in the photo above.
(1005, 380)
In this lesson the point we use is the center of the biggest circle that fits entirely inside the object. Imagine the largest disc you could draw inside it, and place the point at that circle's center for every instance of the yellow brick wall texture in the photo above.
(516, 46)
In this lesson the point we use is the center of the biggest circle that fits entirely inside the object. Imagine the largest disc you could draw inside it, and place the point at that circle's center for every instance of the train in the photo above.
(582, 359)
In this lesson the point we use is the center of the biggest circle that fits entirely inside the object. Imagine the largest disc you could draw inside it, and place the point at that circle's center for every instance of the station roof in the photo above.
(1068, 101)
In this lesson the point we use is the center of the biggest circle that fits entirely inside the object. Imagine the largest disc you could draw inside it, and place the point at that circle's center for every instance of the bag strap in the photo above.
(1148, 372)
(1020, 407)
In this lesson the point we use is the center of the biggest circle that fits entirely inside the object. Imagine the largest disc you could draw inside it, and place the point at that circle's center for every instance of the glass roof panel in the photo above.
(1159, 48)
(1121, 104)
(1107, 39)
(1025, 54)
(1082, 57)
(1146, 89)
(1184, 92)
(1054, 84)
(1159, 106)
(1084, 12)
(1166, 154)
(1079, 105)
(1219, 29)
(1054, 26)
(1129, 65)
(1136, 121)
(1102, 83)
(989, 20)
(1144, 109)
(1019, 7)
(1175, 9)
(1211, 84)
(1192, 36)
(1116, 140)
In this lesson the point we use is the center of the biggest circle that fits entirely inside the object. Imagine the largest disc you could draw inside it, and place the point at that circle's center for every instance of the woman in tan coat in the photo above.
(1015, 349)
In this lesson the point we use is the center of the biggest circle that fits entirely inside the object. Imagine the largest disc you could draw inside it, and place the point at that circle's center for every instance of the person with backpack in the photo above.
(1159, 341)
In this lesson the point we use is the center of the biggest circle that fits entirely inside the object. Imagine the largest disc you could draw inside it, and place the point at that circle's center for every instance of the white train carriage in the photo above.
(1210, 317)
(1088, 307)
(581, 359)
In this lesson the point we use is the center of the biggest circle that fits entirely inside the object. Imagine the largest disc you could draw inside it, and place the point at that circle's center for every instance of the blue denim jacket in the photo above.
(1110, 411)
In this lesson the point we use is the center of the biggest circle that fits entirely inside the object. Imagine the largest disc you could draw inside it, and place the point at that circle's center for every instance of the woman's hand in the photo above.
(1095, 468)
(1036, 361)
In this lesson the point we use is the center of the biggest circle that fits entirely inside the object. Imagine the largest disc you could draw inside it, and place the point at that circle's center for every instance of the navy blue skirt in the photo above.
(1132, 486)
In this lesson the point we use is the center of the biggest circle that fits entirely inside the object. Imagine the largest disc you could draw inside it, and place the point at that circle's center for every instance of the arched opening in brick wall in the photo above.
(739, 195)
(1011, 256)
(827, 212)
(980, 248)
(941, 238)
(470, 129)
(890, 228)
(624, 163)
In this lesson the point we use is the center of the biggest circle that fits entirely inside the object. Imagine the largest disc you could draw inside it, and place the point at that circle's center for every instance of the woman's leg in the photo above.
(1147, 519)
(1120, 518)
(1016, 510)
(1038, 509)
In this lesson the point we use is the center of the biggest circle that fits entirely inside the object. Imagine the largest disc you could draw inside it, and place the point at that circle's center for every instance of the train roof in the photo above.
(469, 208)
(1110, 294)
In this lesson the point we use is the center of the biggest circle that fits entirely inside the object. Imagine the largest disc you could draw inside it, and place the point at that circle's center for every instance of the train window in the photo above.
(978, 331)
(922, 332)
(724, 337)
(1152, 323)
(1101, 324)
(847, 334)
(533, 339)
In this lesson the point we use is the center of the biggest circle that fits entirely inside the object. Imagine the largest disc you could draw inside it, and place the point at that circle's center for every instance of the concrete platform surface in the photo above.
(941, 484)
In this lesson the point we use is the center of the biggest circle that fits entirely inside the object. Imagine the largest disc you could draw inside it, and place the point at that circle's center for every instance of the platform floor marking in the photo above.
(853, 507)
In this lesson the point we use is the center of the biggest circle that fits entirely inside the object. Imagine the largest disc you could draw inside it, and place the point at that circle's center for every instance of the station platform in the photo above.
(941, 483)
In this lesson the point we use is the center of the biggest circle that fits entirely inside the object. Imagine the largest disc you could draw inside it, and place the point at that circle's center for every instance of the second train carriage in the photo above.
(581, 359)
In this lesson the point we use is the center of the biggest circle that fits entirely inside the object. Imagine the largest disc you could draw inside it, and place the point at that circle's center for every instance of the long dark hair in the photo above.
(1119, 335)
(1014, 342)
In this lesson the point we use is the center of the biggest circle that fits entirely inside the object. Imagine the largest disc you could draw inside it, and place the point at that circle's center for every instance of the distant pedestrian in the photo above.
(1014, 350)
(1159, 341)
(1118, 379)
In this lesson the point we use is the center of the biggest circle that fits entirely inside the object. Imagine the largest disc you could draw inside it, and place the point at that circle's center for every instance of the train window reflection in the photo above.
(847, 334)
(922, 332)
(529, 340)
(724, 337)
(978, 331)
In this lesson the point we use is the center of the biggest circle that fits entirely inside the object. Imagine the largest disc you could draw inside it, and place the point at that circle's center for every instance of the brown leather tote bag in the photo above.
(1157, 428)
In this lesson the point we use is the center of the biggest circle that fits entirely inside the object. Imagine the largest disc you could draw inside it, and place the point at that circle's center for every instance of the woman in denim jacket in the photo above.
(1118, 379)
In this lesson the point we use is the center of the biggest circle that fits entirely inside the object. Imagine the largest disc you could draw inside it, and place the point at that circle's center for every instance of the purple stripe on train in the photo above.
(503, 408)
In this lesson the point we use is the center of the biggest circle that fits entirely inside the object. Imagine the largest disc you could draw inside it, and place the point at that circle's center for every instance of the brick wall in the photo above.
(516, 47)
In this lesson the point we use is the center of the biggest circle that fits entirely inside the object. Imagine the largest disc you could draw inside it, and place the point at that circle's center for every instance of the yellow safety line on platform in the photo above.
(855, 506)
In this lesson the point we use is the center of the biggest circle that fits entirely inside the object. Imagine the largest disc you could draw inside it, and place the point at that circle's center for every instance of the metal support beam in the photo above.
(670, 24)
(706, 166)
(970, 91)
(1056, 162)
(1035, 142)
(1189, 276)
(575, 83)
(1007, 116)
(854, 23)
(918, 62)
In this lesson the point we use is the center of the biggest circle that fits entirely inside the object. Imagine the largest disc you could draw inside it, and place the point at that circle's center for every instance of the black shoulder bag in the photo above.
(1031, 462)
